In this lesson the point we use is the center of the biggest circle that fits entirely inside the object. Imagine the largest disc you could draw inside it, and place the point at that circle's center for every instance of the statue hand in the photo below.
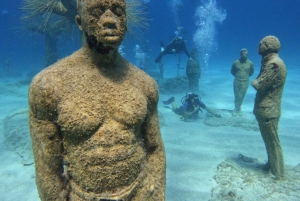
(254, 83)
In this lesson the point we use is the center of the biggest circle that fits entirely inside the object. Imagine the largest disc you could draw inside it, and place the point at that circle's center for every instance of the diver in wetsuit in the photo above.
(176, 46)
(191, 104)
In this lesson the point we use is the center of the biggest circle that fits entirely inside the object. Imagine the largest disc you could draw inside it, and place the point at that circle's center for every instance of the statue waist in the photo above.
(119, 194)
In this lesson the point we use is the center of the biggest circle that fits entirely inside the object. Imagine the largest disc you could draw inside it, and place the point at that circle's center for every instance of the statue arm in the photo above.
(46, 142)
(266, 77)
(251, 70)
(233, 70)
(156, 158)
(47, 149)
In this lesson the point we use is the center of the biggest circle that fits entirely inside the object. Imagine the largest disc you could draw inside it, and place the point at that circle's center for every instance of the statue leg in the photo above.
(240, 89)
(269, 132)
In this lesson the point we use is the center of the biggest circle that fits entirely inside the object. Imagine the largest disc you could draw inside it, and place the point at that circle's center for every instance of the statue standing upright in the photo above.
(94, 121)
(241, 69)
(267, 109)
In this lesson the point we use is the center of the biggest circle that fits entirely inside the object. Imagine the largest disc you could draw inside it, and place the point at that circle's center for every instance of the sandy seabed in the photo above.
(202, 156)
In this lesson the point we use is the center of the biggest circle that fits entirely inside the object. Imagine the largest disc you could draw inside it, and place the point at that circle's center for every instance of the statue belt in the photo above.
(124, 194)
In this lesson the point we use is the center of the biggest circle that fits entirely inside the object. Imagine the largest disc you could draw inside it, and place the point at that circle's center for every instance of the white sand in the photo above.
(194, 150)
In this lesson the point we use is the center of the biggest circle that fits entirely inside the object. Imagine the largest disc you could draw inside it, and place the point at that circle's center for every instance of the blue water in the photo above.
(246, 23)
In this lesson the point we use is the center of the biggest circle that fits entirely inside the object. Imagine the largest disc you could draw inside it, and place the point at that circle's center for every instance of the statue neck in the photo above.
(108, 58)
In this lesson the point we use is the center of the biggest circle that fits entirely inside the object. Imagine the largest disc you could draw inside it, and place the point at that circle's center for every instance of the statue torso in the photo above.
(100, 113)
(271, 83)
(242, 69)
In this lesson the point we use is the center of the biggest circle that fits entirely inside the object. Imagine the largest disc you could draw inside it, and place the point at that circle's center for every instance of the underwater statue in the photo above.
(241, 69)
(94, 121)
(193, 71)
(267, 109)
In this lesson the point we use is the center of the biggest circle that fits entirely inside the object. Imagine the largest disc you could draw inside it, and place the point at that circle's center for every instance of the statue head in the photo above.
(244, 54)
(103, 22)
(194, 53)
(269, 44)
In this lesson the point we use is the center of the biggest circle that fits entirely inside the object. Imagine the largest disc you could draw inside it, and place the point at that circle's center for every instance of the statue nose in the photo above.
(109, 25)
(108, 20)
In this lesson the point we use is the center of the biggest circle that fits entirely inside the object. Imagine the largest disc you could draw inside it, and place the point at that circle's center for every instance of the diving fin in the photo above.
(169, 101)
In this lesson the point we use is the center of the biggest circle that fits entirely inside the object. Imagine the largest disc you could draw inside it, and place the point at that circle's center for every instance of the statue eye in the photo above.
(118, 11)
(97, 12)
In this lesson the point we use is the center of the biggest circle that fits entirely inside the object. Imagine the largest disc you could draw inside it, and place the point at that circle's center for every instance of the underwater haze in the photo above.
(204, 157)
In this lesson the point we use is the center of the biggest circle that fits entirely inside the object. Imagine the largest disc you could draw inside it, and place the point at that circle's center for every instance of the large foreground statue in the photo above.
(94, 121)
(267, 109)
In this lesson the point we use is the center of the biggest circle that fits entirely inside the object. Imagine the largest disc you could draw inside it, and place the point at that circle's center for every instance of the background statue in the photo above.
(93, 118)
(241, 69)
(267, 109)
(193, 71)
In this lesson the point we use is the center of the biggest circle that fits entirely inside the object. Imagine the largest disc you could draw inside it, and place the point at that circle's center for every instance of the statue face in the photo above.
(104, 21)
(269, 44)
(263, 47)
(244, 55)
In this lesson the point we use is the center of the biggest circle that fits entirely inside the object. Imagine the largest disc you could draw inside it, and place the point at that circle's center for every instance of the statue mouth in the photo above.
(110, 36)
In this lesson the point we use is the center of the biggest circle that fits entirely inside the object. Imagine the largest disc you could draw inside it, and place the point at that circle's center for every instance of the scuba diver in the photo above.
(176, 46)
(191, 105)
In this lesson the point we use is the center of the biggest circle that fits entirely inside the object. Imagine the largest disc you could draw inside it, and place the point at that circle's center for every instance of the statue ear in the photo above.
(266, 45)
(78, 22)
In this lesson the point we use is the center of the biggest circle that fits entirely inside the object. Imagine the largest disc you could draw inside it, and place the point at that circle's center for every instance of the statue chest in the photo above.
(85, 109)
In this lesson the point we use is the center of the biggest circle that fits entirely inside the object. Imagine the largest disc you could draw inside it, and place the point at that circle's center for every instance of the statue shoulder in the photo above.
(145, 83)
(236, 62)
(143, 78)
(250, 62)
(42, 94)
(52, 71)
(47, 86)
(278, 61)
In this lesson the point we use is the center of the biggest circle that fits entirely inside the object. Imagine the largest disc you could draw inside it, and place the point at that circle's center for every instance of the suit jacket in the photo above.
(269, 86)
